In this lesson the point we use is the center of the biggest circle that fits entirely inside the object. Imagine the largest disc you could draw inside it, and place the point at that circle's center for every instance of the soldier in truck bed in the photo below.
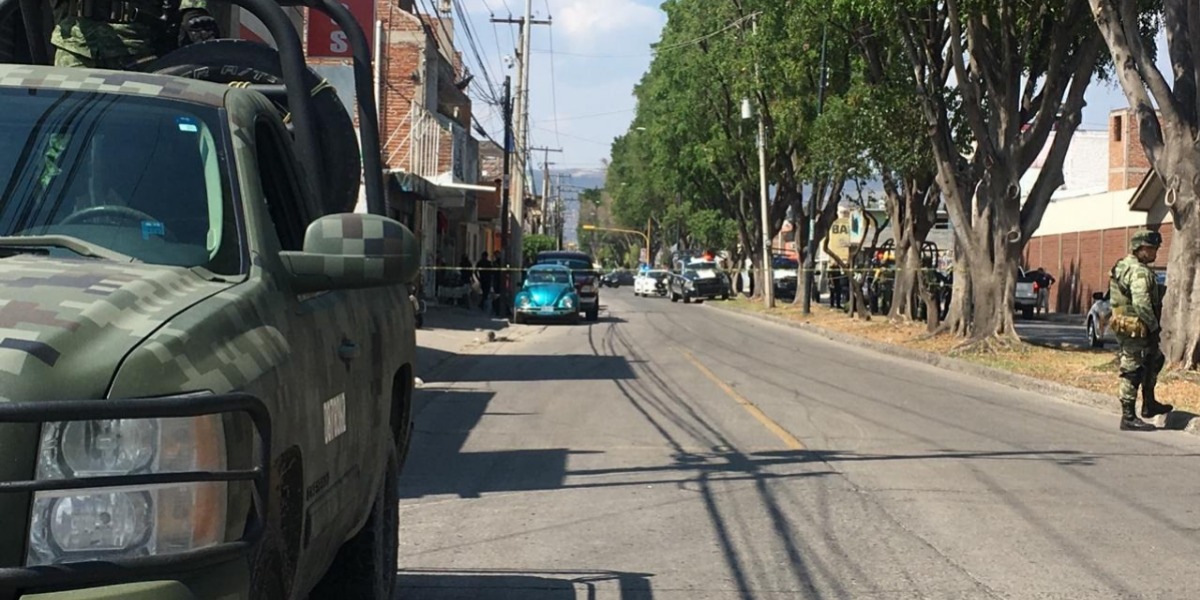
(121, 34)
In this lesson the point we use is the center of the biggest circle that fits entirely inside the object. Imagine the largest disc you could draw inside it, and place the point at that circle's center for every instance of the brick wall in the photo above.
(1127, 161)
(404, 55)
(1081, 262)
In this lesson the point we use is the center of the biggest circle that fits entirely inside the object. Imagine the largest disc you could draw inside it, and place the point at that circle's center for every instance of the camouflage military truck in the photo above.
(204, 382)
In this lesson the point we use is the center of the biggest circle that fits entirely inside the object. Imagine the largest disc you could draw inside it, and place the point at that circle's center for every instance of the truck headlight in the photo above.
(123, 522)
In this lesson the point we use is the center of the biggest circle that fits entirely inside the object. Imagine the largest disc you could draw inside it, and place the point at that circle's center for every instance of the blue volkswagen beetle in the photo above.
(548, 293)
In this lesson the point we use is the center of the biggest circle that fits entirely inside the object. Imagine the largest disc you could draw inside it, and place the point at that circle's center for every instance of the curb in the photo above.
(1181, 421)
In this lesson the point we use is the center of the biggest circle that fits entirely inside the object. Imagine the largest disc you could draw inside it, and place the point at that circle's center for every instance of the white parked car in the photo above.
(651, 283)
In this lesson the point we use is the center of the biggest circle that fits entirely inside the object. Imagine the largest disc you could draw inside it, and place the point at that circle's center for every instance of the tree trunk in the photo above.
(960, 312)
(993, 281)
(904, 282)
(1181, 307)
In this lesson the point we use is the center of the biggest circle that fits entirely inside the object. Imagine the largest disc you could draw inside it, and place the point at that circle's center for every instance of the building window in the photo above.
(1117, 128)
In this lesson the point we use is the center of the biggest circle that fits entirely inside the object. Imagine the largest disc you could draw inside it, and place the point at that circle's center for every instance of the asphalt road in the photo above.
(681, 452)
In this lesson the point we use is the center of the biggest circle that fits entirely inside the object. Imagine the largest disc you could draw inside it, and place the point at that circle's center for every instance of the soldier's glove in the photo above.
(196, 25)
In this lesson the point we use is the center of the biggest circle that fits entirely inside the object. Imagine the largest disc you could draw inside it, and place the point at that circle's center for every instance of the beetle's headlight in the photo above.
(526, 301)
(123, 522)
(568, 303)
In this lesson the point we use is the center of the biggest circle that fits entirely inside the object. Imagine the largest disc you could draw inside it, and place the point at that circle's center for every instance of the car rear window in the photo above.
(573, 264)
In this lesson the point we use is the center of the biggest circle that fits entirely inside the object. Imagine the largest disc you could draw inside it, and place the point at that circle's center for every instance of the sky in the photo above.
(581, 96)
(582, 93)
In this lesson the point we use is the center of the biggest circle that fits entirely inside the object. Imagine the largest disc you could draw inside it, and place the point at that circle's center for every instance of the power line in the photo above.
(591, 116)
(468, 30)
(553, 83)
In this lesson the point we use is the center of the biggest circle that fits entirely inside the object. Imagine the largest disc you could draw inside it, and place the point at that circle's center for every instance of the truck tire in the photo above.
(229, 61)
(365, 566)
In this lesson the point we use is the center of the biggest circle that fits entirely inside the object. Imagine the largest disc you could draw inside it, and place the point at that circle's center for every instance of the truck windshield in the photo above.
(140, 177)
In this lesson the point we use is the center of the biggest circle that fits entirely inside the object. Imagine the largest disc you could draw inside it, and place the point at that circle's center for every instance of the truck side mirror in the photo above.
(352, 251)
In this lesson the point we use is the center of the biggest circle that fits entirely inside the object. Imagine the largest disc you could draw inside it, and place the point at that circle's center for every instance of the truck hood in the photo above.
(66, 325)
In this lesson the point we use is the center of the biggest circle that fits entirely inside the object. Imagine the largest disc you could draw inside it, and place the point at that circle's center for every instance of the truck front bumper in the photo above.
(227, 582)
(170, 576)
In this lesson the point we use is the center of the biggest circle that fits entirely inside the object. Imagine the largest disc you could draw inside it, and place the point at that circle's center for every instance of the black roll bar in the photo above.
(299, 99)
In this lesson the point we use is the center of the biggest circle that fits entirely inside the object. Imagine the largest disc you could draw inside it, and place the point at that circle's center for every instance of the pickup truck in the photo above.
(1025, 293)
(205, 383)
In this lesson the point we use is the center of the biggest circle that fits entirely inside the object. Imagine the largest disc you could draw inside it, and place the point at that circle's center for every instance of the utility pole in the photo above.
(768, 273)
(559, 217)
(521, 111)
(505, 192)
(545, 182)
(810, 250)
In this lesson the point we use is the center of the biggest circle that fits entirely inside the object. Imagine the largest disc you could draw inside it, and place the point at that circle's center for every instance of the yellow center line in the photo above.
(784, 435)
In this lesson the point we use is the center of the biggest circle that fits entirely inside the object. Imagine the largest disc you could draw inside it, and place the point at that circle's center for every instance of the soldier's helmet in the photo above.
(1145, 237)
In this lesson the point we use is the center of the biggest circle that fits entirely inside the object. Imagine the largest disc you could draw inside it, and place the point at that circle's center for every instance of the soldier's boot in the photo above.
(1151, 407)
(1129, 420)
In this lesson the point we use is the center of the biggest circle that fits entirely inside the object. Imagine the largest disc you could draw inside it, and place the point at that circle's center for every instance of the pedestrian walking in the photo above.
(1137, 308)
(485, 274)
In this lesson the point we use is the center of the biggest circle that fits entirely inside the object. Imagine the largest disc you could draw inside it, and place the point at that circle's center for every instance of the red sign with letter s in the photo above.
(327, 40)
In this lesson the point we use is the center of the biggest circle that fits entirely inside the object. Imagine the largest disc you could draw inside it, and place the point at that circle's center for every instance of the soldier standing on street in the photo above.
(121, 34)
(1137, 308)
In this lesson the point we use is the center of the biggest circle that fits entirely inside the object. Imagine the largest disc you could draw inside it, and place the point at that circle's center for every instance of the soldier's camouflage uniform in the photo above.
(1137, 308)
(129, 33)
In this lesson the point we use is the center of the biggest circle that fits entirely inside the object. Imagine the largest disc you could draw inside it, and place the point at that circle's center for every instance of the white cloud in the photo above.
(587, 24)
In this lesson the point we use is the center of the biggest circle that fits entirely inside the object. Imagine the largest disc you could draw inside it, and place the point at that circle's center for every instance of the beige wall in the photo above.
(1097, 212)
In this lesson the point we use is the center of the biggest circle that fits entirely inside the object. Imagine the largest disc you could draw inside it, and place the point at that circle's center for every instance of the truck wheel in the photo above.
(228, 61)
(365, 566)
(1026, 313)
(593, 314)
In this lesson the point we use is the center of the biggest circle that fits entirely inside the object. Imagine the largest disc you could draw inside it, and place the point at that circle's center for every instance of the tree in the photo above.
(1171, 137)
(689, 140)
(1020, 72)
(534, 243)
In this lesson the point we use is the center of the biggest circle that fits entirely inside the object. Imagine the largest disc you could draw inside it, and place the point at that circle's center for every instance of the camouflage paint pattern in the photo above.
(83, 42)
(116, 82)
(1135, 294)
(149, 330)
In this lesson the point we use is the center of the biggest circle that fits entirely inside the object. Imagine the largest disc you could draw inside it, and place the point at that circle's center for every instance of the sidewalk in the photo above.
(450, 330)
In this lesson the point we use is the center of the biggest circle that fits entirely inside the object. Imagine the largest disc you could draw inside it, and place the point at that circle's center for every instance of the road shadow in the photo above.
(551, 367)
(437, 463)
(428, 358)
(423, 584)
(1179, 420)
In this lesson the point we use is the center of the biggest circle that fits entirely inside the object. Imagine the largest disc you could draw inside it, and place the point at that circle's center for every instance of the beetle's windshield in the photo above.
(142, 177)
(545, 276)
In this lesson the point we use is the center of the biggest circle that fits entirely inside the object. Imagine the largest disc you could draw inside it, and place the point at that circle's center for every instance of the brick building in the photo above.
(1083, 234)
(429, 154)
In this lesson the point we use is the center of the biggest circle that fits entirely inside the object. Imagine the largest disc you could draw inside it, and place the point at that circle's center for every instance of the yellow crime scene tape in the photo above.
(727, 271)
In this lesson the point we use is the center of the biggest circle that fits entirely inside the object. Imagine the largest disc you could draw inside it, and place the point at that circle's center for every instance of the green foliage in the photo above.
(535, 243)
(711, 230)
